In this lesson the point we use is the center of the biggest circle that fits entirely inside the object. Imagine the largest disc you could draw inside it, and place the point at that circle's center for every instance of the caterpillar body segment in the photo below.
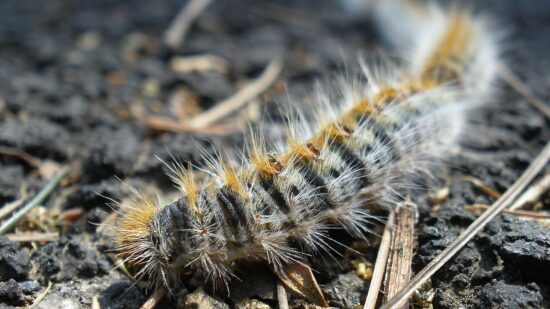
(378, 139)
(441, 45)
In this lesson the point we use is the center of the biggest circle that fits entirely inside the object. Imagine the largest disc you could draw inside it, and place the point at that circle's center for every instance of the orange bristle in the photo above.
(233, 181)
(134, 224)
(447, 60)
(331, 132)
(191, 189)
(299, 151)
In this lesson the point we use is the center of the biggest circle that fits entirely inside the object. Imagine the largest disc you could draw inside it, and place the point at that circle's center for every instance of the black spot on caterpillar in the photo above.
(277, 207)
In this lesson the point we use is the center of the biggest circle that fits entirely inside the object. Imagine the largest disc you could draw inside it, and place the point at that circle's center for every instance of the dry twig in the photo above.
(46, 168)
(513, 80)
(533, 194)
(505, 200)
(380, 264)
(399, 267)
(239, 99)
(41, 297)
(439, 196)
(95, 303)
(21, 155)
(39, 198)
(175, 35)
(33, 236)
(154, 299)
(70, 216)
(483, 187)
(204, 122)
(119, 264)
(159, 123)
(199, 63)
(282, 296)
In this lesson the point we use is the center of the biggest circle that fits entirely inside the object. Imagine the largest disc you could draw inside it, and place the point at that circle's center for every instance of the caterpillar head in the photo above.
(149, 241)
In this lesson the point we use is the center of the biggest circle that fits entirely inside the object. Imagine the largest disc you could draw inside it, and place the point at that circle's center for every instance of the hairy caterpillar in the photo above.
(372, 143)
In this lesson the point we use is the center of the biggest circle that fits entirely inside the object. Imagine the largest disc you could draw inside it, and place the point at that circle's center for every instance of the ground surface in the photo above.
(76, 75)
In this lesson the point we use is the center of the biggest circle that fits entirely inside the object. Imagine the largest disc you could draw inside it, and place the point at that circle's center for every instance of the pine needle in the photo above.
(38, 199)
(504, 201)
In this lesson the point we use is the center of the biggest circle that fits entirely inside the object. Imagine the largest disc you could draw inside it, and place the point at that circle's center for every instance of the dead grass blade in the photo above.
(380, 264)
(505, 200)
(399, 270)
(38, 199)
(239, 99)
(175, 35)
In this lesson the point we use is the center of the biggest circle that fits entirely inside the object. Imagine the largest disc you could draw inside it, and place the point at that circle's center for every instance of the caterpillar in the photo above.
(368, 144)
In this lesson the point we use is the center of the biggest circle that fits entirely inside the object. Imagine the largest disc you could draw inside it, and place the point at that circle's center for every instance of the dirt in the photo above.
(74, 75)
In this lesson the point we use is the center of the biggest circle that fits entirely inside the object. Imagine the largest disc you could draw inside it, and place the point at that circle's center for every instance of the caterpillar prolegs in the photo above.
(379, 137)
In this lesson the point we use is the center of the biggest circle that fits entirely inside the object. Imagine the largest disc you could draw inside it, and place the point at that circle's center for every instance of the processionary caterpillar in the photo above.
(377, 139)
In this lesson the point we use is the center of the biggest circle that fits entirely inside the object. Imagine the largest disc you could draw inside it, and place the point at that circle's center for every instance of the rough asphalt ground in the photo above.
(73, 74)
